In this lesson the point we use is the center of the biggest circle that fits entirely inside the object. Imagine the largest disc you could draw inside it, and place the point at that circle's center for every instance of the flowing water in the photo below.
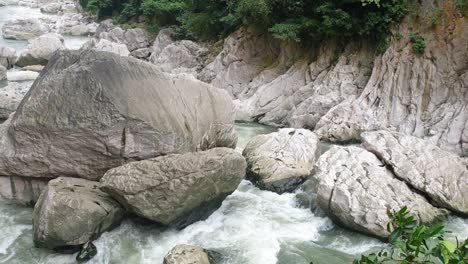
(251, 226)
(19, 12)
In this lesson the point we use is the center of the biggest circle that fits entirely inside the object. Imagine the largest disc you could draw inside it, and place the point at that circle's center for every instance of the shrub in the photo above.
(414, 243)
(418, 43)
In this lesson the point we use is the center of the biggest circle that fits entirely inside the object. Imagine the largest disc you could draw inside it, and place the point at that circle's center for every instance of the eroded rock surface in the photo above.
(440, 174)
(356, 189)
(177, 189)
(186, 254)
(104, 110)
(282, 160)
(71, 212)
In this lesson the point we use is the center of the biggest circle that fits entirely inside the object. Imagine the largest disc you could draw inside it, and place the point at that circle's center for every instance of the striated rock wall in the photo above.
(424, 95)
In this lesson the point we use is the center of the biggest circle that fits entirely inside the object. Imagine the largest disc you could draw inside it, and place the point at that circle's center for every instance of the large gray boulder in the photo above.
(40, 50)
(23, 29)
(440, 174)
(282, 160)
(11, 96)
(104, 110)
(177, 189)
(106, 45)
(7, 57)
(356, 190)
(187, 254)
(71, 212)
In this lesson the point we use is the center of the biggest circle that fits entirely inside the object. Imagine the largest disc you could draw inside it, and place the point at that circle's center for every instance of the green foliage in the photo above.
(292, 20)
(418, 44)
(414, 243)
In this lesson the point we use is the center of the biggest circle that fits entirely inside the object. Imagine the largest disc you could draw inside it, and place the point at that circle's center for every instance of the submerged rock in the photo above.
(88, 252)
(179, 189)
(40, 50)
(356, 190)
(187, 254)
(282, 160)
(23, 29)
(440, 174)
(104, 110)
(70, 212)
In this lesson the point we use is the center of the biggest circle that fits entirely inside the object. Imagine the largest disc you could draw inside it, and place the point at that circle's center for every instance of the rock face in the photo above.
(442, 175)
(186, 254)
(11, 96)
(424, 95)
(22, 190)
(282, 160)
(7, 57)
(356, 189)
(71, 212)
(177, 189)
(105, 45)
(3, 73)
(23, 29)
(284, 84)
(40, 50)
(105, 110)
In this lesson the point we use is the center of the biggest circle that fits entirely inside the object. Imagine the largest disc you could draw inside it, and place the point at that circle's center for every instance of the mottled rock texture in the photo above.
(177, 189)
(186, 254)
(356, 190)
(282, 160)
(104, 110)
(40, 50)
(71, 212)
(440, 174)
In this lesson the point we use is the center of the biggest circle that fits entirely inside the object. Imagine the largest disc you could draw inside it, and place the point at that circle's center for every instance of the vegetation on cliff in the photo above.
(294, 20)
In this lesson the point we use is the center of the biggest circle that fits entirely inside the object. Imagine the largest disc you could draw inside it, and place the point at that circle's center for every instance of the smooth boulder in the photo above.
(282, 160)
(104, 110)
(440, 174)
(23, 29)
(356, 190)
(71, 212)
(40, 50)
(177, 189)
(187, 254)
(22, 76)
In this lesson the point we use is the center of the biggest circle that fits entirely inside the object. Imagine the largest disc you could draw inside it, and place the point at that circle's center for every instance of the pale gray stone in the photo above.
(177, 189)
(282, 160)
(356, 190)
(186, 254)
(71, 212)
(440, 174)
(7, 57)
(40, 50)
(11, 96)
(23, 29)
(21, 76)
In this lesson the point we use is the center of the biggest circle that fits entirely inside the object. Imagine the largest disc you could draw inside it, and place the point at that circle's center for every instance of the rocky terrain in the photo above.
(139, 125)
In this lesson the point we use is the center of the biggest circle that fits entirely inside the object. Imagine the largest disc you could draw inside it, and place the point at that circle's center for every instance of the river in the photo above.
(251, 226)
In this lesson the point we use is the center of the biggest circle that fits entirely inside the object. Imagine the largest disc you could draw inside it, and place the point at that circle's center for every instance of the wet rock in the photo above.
(21, 190)
(40, 50)
(176, 189)
(7, 57)
(282, 160)
(104, 110)
(440, 174)
(23, 29)
(51, 8)
(105, 45)
(70, 212)
(356, 190)
(187, 254)
(88, 252)
(21, 76)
